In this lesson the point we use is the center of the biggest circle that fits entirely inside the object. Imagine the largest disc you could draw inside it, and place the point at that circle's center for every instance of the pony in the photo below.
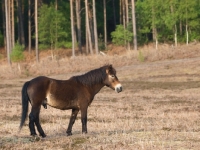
(76, 93)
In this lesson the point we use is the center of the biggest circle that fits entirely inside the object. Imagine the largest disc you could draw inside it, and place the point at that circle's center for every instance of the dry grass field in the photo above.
(159, 107)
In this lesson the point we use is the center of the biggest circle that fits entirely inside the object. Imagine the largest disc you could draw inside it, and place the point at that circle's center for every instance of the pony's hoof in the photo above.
(84, 132)
(34, 138)
(33, 134)
(69, 134)
(43, 135)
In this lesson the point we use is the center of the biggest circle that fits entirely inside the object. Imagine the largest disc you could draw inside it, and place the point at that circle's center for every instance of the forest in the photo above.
(36, 25)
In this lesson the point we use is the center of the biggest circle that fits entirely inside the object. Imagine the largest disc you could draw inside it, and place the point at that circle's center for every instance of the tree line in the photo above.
(50, 24)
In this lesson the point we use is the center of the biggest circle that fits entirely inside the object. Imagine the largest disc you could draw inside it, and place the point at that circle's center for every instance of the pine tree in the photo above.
(51, 27)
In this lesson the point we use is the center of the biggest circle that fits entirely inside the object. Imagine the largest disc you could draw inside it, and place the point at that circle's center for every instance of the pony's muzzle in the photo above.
(118, 88)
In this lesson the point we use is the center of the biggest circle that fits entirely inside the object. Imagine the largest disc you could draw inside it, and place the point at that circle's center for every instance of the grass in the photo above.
(138, 120)
(157, 109)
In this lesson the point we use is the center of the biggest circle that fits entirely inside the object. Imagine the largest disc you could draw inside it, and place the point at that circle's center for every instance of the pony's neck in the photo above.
(96, 88)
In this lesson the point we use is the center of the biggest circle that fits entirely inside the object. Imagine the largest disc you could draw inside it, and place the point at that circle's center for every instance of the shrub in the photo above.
(121, 35)
(17, 53)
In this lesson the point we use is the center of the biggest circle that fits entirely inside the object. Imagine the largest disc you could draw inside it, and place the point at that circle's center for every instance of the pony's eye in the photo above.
(112, 76)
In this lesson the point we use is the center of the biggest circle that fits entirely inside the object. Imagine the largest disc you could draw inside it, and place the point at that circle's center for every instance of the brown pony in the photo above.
(76, 93)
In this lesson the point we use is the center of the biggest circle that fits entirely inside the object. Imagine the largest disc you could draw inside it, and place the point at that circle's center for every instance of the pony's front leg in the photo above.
(72, 120)
(84, 120)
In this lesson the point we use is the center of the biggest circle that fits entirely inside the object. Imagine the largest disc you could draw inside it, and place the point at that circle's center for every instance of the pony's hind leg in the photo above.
(34, 119)
(39, 128)
(31, 124)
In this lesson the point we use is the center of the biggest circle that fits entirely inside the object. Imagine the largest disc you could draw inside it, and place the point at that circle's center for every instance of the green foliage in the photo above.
(167, 17)
(68, 45)
(52, 25)
(1, 39)
(17, 53)
(121, 35)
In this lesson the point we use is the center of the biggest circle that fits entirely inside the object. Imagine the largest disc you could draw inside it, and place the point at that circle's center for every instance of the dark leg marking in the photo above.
(71, 122)
(34, 120)
(84, 120)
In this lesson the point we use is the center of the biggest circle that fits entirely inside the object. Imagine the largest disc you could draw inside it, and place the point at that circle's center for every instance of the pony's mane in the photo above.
(92, 77)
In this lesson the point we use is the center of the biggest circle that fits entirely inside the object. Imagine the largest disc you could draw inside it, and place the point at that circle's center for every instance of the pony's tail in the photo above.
(25, 101)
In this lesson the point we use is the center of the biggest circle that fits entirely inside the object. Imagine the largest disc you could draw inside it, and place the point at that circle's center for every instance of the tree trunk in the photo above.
(72, 27)
(134, 25)
(56, 41)
(175, 35)
(86, 37)
(127, 21)
(78, 18)
(7, 31)
(4, 23)
(175, 28)
(21, 38)
(36, 30)
(88, 27)
(91, 24)
(186, 29)
(13, 24)
(114, 13)
(120, 11)
(10, 23)
(124, 14)
(187, 37)
(29, 26)
(154, 30)
(181, 28)
(95, 28)
(124, 17)
(105, 24)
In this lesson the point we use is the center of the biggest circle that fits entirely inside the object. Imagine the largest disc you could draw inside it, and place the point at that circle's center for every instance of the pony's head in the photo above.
(112, 80)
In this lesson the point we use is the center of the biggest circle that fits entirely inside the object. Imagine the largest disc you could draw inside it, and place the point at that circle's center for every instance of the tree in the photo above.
(189, 18)
(51, 28)
(29, 26)
(78, 18)
(158, 21)
(88, 27)
(154, 27)
(105, 23)
(127, 21)
(95, 28)
(72, 27)
(114, 12)
(21, 37)
(134, 25)
(170, 18)
(36, 31)
(13, 24)
(8, 36)
(4, 25)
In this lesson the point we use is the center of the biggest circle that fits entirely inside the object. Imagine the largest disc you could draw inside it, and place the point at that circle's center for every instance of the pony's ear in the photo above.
(109, 69)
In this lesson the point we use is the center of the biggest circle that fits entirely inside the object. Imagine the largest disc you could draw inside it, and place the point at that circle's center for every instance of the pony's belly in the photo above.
(60, 103)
